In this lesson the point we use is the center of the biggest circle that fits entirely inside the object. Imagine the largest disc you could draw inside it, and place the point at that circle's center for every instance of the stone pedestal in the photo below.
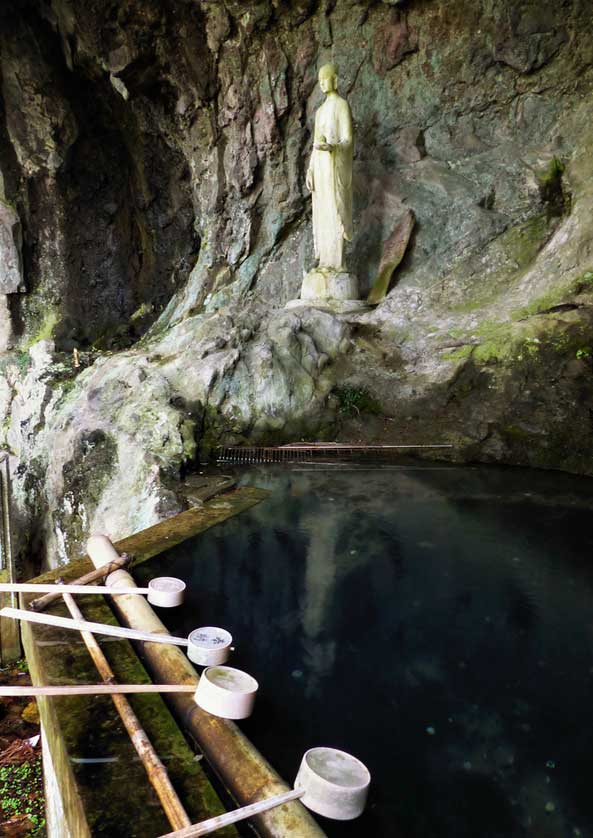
(332, 306)
(329, 290)
(323, 283)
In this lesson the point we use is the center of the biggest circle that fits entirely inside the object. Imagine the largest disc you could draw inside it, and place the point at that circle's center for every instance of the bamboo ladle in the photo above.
(331, 783)
(206, 646)
(222, 691)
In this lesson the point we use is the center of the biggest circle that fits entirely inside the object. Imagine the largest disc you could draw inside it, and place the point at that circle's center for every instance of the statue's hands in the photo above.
(309, 180)
(324, 146)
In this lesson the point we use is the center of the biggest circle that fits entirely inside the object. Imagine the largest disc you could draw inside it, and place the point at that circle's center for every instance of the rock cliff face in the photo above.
(153, 215)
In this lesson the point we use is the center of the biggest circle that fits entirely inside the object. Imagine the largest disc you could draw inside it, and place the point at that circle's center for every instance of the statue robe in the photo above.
(332, 182)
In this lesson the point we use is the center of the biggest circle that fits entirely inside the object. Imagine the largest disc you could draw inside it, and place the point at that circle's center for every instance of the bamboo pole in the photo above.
(96, 689)
(10, 636)
(98, 573)
(96, 628)
(243, 770)
(157, 773)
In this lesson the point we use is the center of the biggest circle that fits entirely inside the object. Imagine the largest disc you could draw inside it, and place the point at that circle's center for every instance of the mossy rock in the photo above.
(563, 295)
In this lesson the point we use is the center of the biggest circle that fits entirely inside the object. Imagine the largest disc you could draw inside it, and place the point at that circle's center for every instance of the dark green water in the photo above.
(435, 621)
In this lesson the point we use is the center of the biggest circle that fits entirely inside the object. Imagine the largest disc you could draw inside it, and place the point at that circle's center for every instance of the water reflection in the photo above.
(319, 589)
(436, 622)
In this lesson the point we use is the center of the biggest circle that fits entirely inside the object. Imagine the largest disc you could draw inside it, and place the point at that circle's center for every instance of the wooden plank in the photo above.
(166, 534)
(170, 532)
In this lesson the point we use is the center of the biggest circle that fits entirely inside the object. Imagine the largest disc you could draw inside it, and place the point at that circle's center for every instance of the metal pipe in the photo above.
(243, 770)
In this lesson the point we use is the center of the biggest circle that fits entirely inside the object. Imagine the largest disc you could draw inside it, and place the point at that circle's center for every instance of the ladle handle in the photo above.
(95, 628)
(95, 689)
(212, 824)
(32, 588)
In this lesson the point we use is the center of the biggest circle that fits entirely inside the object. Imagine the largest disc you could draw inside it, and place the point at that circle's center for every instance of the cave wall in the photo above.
(146, 129)
(105, 207)
(154, 152)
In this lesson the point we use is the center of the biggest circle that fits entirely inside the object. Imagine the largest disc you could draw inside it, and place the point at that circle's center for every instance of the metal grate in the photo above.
(297, 452)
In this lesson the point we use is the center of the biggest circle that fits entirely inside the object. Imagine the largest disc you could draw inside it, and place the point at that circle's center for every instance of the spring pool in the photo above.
(434, 621)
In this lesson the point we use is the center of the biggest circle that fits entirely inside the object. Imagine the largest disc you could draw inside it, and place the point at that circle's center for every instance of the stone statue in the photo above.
(329, 177)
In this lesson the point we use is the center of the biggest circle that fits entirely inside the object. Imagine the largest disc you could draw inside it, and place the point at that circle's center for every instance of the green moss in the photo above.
(554, 170)
(515, 250)
(500, 342)
(474, 304)
(20, 359)
(497, 343)
(532, 341)
(523, 243)
(85, 476)
(352, 401)
(188, 435)
(494, 350)
(517, 434)
(141, 312)
(459, 354)
(21, 793)
(46, 330)
(212, 431)
(552, 189)
(556, 296)
(583, 283)
(20, 665)
(66, 386)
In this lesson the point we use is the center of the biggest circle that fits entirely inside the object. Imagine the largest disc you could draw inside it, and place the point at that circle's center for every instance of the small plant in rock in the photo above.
(353, 401)
(21, 795)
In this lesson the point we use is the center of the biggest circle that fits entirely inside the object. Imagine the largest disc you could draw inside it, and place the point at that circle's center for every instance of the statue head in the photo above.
(328, 78)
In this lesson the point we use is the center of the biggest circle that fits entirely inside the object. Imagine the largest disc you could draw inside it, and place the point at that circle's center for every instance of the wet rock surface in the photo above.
(10, 255)
(155, 154)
